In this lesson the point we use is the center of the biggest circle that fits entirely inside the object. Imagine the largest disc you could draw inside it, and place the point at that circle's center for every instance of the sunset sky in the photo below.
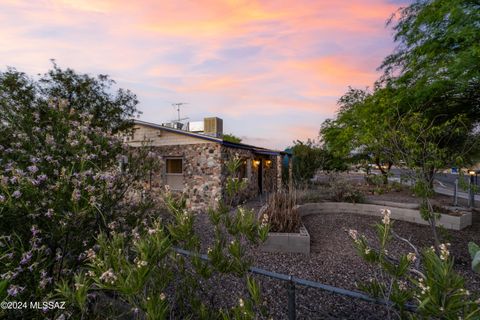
(273, 70)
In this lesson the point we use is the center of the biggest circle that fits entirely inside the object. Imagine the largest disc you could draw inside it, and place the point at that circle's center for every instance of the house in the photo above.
(192, 161)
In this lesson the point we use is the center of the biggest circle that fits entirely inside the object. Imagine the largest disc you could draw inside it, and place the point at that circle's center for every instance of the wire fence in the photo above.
(292, 282)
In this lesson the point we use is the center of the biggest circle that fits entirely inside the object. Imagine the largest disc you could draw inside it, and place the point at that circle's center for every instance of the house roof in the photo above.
(257, 150)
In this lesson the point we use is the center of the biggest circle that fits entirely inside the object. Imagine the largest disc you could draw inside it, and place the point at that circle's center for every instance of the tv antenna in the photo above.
(177, 106)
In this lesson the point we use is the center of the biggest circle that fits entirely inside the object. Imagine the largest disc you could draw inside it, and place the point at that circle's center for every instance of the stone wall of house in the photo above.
(251, 171)
(202, 172)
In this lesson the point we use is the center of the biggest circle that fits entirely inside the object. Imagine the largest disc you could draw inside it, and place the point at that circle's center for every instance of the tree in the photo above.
(60, 183)
(231, 138)
(435, 69)
(358, 131)
(309, 157)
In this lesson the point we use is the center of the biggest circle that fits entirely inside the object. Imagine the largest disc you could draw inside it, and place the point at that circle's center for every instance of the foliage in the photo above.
(423, 146)
(280, 211)
(341, 190)
(231, 138)
(433, 76)
(427, 278)
(425, 109)
(436, 63)
(474, 251)
(60, 184)
(357, 134)
(308, 157)
(142, 275)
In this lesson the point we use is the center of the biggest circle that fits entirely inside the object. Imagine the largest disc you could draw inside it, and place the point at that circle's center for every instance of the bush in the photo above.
(60, 183)
(142, 275)
(280, 211)
(341, 190)
(426, 278)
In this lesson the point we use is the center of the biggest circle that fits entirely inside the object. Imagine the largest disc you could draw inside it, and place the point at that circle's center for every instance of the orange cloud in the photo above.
(304, 54)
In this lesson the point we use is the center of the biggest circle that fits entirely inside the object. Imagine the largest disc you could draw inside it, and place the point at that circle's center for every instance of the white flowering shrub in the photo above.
(425, 280)
(60, 183)
(140, 275)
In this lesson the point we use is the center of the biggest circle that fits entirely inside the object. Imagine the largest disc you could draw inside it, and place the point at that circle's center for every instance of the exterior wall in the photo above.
(269, 171)
(158, 137)
(204, 170)
(201, 172)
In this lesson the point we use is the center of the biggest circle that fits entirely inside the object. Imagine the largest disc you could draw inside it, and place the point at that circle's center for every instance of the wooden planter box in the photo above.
(288, 242)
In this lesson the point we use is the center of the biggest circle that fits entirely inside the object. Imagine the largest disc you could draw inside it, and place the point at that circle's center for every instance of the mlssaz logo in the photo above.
(50, 305)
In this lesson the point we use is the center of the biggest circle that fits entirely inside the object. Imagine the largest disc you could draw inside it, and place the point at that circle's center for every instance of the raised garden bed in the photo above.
(288, 242)
(459, 221)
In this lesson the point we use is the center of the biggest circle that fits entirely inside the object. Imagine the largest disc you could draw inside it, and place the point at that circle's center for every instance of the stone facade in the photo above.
(203, 174)
(255, 165)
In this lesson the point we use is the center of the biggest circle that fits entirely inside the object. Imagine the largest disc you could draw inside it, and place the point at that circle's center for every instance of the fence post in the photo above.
(291, 299)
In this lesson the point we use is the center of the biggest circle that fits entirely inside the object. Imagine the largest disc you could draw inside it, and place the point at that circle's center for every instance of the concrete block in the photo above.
(402, 214)
(288, 242)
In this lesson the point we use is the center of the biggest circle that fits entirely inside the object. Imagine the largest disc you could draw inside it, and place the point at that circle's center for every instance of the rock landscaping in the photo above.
(333, 260)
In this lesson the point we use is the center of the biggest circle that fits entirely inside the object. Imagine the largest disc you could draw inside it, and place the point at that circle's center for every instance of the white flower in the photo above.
(141, 263)
(411, 257)
(444, 253)
(162, 296)
(353, 234)
(90, 254)
(108, 276)
(241, 303)
(386, 216)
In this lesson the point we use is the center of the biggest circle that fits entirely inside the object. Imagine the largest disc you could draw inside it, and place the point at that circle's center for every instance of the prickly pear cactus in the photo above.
(474, 250)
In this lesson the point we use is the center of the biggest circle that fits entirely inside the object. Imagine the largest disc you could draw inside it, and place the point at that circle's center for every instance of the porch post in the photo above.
(279, 172)
(290, 173)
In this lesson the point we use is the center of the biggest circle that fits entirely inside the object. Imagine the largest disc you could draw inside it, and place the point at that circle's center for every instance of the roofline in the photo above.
(257, 150)
(187, 133)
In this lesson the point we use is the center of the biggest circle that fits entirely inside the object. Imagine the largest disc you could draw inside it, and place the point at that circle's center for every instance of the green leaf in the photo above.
(473, 249)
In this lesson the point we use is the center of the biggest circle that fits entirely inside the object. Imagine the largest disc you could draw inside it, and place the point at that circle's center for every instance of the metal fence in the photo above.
(293, 281)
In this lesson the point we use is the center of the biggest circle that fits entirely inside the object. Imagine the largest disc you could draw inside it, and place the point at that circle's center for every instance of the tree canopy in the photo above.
(433, 76)
(231, 138)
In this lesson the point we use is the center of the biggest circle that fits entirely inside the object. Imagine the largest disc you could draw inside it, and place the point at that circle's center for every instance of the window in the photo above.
(174, 166)
(174, 173)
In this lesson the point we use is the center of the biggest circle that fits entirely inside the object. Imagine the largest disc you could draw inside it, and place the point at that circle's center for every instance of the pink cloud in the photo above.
(306, 52)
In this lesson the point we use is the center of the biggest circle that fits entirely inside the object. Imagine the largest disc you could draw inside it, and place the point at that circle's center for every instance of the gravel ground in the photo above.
(334, 261)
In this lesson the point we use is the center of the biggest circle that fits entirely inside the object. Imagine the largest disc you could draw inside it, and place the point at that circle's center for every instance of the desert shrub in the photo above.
(280, 211)
(311, 195)
(140, 274)
(60, 183)
(374, 179)
(426, 279)
(341, 190)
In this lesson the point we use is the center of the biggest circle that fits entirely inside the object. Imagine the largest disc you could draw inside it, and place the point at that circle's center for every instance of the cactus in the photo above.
(474, 250)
